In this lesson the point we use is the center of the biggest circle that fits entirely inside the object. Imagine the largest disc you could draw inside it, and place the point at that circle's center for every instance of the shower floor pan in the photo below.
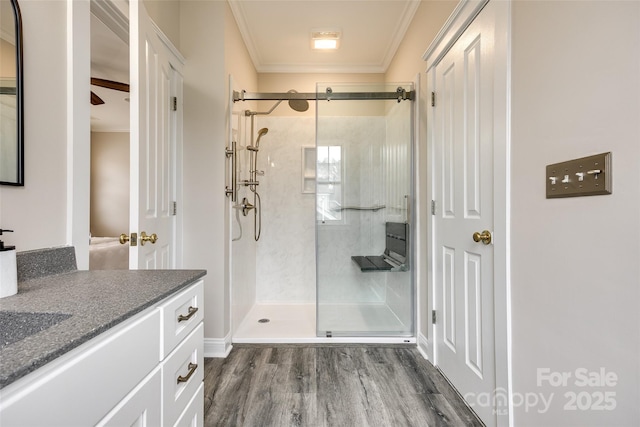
(296, 323)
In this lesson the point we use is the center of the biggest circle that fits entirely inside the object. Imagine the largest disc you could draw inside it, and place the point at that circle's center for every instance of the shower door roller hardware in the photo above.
(484, 237)
(144, 238)
(133, 241)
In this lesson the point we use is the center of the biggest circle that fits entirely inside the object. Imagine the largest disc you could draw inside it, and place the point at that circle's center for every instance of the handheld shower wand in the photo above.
(255, 146)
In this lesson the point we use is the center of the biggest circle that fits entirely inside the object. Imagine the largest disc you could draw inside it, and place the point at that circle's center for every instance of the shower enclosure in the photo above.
(363, 213)
(335, 258)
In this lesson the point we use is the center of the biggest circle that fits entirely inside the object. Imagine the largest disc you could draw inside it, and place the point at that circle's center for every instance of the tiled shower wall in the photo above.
(285, 256)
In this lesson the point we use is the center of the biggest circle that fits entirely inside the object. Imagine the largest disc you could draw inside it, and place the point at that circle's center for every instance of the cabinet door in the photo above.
(140, 408)
(79, 389)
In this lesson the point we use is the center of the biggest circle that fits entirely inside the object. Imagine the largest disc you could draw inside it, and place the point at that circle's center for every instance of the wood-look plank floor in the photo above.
(333, 386)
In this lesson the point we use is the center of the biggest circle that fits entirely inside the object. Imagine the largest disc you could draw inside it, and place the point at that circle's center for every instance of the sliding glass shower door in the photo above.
(364, 196)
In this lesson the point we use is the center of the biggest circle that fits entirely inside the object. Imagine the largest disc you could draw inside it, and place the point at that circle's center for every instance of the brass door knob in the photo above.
(124, 238)
(484, 237)
(144, 238)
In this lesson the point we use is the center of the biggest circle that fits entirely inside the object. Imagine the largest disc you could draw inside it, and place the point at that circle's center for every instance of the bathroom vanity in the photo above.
(103, 348)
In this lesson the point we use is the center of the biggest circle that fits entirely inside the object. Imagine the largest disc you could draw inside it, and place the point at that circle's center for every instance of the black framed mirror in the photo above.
(11, 95)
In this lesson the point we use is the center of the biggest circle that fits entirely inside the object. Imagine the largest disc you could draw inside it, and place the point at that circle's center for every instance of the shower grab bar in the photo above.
(400, 95)
(360, 208)
(233, 191)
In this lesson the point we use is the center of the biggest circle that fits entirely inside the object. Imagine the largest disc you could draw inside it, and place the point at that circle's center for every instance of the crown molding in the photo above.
(402, 25)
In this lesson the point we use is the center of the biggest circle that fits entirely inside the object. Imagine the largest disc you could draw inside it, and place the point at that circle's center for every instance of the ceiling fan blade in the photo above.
(96, 100)
(110, 84)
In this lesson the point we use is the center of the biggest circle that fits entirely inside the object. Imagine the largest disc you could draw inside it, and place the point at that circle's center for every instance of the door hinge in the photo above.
(433, 99)
(174, 208)
(433, 207)
(433, 317)
(174, 103)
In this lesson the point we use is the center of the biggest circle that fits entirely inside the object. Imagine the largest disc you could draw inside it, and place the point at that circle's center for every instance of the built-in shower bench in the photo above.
(395, 253)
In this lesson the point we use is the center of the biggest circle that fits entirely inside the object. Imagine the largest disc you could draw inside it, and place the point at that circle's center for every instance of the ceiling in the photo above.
(277, 33)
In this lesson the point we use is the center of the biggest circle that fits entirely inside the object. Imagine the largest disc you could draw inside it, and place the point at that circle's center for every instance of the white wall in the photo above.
(575, 262)
(210, 42)
(38, 212)
(205, 98)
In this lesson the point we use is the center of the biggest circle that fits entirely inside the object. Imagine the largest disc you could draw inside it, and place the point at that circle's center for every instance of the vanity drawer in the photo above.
(180, 315)
(182, 374)
(193, 415)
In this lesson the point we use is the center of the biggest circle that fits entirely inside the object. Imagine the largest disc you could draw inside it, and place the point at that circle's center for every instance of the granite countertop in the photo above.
(72, 308)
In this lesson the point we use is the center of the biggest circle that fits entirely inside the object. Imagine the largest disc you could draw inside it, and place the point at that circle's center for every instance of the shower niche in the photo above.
(308, 170)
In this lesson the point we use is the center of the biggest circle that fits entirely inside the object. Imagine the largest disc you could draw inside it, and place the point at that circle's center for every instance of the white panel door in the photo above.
(463, 167)
(152, 155)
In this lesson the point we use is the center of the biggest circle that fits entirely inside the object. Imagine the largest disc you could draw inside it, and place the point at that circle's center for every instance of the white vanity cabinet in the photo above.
(182, 353)
(145, 371)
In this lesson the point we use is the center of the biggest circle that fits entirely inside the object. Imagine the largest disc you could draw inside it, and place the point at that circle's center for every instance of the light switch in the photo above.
(587, 176)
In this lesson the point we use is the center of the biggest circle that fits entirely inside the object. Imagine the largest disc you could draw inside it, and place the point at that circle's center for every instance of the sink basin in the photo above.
(16, 326)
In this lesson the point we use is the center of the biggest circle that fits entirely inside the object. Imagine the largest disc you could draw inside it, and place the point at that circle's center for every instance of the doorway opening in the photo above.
(110, 153)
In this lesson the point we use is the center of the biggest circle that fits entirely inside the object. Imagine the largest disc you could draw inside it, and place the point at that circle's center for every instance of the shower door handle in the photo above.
(408, 200)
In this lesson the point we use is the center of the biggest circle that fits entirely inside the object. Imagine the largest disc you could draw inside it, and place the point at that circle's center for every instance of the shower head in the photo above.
(261, 132)
(299, 105)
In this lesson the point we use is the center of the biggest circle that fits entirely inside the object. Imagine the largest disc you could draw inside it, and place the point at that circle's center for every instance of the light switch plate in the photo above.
(587, 176)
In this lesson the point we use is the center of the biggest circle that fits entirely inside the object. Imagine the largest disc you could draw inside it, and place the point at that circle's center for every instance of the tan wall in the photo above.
(109, 183)
(8, 60)
(236, 56)
(166, 14)
(427, 21)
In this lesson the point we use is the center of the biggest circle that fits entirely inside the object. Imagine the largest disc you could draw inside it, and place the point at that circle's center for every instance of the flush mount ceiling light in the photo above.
(325, 40)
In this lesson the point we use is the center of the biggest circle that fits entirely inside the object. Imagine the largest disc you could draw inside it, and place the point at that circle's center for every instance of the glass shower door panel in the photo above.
(363, 188)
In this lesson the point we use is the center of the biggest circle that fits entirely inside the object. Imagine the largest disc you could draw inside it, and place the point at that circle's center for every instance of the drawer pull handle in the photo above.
(192, 311)
(192, 369)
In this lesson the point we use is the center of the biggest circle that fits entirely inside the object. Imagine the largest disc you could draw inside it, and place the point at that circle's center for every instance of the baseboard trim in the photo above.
(217, 347)
(423, 346)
